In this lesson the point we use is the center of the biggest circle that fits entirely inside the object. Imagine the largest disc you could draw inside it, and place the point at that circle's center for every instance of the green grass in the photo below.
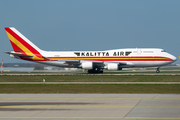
(90, 78)
(76, 88)
(131, 72)
(90, 88)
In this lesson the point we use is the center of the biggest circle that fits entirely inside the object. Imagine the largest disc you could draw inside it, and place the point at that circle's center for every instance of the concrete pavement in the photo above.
(89, 106)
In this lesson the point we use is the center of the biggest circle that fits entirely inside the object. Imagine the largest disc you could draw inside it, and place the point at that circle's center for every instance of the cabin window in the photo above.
(127, 53)
(163, 51)
(78, 54)
(147, 51)
(56, 55)
(121, 53)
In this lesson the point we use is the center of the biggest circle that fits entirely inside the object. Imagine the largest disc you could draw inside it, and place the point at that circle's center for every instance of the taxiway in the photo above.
(90, 106)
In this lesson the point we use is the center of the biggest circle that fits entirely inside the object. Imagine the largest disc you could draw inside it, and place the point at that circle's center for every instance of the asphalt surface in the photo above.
(84, 73)
(89, 106)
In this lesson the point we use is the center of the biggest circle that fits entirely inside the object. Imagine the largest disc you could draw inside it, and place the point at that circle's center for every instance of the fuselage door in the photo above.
(139, 51)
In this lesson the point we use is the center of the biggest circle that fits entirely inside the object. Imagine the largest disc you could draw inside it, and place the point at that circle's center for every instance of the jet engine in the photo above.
(87, 65)
(113, 66)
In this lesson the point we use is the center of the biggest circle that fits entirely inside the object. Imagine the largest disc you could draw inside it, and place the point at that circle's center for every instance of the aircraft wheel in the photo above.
(157, 71)
(98, 70)
(89, 71)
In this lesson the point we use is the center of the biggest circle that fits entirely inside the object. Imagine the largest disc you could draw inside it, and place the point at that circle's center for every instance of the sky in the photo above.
(90, 25)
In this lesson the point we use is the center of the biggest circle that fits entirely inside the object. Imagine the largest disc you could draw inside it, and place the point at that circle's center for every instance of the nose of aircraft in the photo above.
(173, 58)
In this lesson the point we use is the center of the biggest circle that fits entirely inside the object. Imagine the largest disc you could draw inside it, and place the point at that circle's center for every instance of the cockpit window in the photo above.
(163, 51)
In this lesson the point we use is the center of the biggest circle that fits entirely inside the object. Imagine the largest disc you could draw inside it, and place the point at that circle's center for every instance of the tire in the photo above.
(89, 71)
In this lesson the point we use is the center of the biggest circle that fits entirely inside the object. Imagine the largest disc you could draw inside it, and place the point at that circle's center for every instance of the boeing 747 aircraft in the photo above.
(93, 61)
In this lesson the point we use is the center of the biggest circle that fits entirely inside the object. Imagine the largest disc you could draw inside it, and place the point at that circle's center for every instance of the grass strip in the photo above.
(90, 78)
(86, 88)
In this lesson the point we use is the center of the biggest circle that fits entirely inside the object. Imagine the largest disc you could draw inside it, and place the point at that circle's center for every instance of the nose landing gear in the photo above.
(157, 71)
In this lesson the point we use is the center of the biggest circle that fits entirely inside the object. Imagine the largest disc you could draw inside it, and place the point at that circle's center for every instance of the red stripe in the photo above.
(116, 57)
(125, 60)
(119, 58)
(28, 46)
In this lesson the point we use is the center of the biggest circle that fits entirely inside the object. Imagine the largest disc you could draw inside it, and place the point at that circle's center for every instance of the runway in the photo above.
(84, 73)
(90, 74)
(90, 106)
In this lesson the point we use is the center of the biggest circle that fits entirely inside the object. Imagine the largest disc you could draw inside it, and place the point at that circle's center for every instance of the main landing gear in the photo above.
(95, 71)
(157, 71)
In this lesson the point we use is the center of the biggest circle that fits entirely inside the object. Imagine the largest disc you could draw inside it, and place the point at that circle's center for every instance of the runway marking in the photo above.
(61, 117)
(157, 107)
(88, 98)
(89, 106)
(172, 118)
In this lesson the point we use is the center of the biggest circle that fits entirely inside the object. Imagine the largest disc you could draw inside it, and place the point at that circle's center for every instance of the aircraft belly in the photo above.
(149, 63)
(56, 63)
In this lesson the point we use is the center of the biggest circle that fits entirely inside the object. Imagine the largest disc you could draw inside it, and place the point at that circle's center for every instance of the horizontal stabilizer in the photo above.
(18, 54)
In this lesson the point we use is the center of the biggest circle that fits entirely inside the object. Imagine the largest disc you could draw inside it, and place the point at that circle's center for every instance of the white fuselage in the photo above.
(144, 57)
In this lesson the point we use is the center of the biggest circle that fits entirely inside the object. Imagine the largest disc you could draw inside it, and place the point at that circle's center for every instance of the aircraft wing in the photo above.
(72, 62)
(100, 64)
(78, 63)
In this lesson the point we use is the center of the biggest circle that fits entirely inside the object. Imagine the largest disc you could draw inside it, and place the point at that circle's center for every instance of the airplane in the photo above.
(93, 61)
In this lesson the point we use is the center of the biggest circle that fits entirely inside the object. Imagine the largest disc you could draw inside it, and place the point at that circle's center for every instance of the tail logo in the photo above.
(22, 45)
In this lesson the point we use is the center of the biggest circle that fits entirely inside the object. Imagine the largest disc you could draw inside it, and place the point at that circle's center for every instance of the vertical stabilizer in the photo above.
(20, 43)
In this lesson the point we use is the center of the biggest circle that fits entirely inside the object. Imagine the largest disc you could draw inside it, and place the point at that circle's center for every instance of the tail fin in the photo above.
(20, 43)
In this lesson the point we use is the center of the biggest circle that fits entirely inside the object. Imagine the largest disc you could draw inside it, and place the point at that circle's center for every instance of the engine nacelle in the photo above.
(112, 66)
(87, 65)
